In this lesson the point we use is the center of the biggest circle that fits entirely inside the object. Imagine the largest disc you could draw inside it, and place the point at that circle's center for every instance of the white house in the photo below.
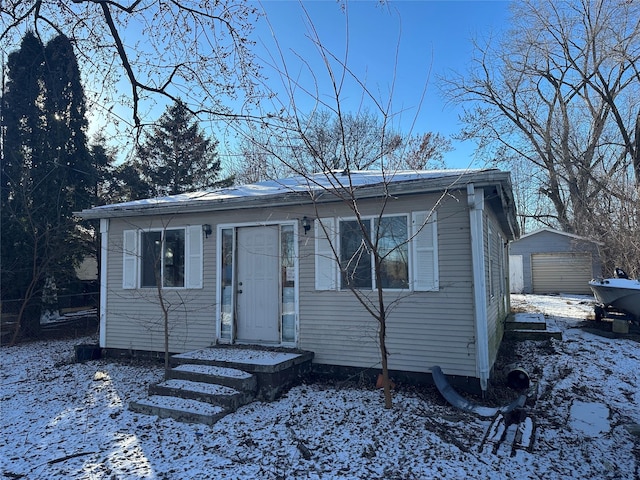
(256, 264)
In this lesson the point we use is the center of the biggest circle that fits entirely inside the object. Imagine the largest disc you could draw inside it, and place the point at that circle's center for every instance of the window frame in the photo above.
(372, 230)
(193, 261)
(163, 256)
(423, 254)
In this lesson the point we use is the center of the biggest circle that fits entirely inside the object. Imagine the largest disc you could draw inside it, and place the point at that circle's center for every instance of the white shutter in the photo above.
(130, 259)
(425, 251)
(326, 267)
(194, 267)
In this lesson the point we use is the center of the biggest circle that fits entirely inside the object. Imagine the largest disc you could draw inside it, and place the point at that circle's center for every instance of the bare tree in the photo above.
(562, 92)
(422, 151)
(297, 143)
(198, 51)
(252, 162)
(155, 269)
(329, 139)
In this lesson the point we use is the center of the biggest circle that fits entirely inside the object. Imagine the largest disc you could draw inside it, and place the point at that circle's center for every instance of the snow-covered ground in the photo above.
(65, 420)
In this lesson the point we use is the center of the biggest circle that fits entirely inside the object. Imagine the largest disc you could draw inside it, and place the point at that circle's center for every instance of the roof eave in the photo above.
(430, 185)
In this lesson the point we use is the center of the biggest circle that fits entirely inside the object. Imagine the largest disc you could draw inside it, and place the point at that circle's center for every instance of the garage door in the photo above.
(561, 272)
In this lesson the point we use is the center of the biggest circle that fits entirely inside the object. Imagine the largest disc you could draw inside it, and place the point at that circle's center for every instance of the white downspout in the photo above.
(475, 201)
(104, 248)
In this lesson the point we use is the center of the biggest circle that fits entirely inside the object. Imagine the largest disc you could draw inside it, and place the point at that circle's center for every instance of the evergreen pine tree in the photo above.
(24, 129)
(47, 172)
(177, 156)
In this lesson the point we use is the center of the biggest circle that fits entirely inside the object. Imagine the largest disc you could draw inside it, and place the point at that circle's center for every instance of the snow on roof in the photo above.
(559, 232)
(318, 182)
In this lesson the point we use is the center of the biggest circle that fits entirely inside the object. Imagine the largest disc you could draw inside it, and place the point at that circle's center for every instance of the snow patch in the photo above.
(212, 370)
(238, 355)
(52, 409)
(206, 388)
(590, 418)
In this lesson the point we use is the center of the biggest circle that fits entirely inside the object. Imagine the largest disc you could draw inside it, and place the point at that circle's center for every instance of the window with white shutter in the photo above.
(172, 257)
(392, 246)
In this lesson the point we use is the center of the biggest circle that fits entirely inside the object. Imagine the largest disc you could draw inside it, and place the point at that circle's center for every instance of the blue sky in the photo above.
(431, 37)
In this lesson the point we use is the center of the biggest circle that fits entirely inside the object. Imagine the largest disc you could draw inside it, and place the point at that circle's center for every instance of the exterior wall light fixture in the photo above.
(306, 224)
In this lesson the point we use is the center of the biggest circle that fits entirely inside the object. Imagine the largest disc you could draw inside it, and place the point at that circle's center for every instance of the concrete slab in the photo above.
(526, 321)
(533, 327)
(253, 360)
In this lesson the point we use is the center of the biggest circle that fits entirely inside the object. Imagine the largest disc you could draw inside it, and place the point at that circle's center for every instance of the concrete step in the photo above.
(276, 369)
(526, 321)
(536, 335)
(204, 385)
(226, 397)
(180, 409)
(551, 330)
(229, 377)
(248, 359)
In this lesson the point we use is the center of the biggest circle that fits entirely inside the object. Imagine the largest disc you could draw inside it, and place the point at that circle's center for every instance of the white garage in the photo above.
(549, 261)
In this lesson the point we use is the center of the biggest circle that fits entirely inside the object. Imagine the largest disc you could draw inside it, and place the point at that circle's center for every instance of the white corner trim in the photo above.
(104, 249)
(475, 200)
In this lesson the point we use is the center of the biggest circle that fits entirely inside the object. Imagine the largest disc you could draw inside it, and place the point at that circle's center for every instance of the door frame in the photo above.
(231, 337)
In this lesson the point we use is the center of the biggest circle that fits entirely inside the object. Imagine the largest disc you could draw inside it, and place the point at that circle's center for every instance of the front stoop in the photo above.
(205, 385)
(531, 326)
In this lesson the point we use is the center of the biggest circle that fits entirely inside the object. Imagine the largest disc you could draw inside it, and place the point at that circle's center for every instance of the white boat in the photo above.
(619, 295)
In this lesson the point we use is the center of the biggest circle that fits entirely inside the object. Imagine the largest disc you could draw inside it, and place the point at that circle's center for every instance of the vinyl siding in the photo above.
(496, 311)
(135, 319)
(423, 329)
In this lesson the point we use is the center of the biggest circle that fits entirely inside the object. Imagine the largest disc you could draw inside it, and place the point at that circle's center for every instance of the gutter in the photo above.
(475, 201)
(104, 252)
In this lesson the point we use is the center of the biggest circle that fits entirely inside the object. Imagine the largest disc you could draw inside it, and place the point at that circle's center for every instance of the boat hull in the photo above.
(619, 294)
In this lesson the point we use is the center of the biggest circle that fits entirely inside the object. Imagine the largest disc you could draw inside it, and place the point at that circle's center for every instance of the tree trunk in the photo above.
(382, 331)
(165, 324)
(386, 384)
(28, 297)
(635, 153)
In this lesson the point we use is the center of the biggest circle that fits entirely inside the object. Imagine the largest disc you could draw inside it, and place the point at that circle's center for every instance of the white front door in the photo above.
(258, 285)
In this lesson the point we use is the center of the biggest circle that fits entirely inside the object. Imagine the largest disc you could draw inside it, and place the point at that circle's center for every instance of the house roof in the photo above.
(558, 232)
(319, 188)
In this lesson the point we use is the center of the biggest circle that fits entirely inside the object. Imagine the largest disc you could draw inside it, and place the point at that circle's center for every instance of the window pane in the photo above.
(355, 258)
(151, 247)
(393, 250)
(226, 308)
(174, 258)
(287, 265)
